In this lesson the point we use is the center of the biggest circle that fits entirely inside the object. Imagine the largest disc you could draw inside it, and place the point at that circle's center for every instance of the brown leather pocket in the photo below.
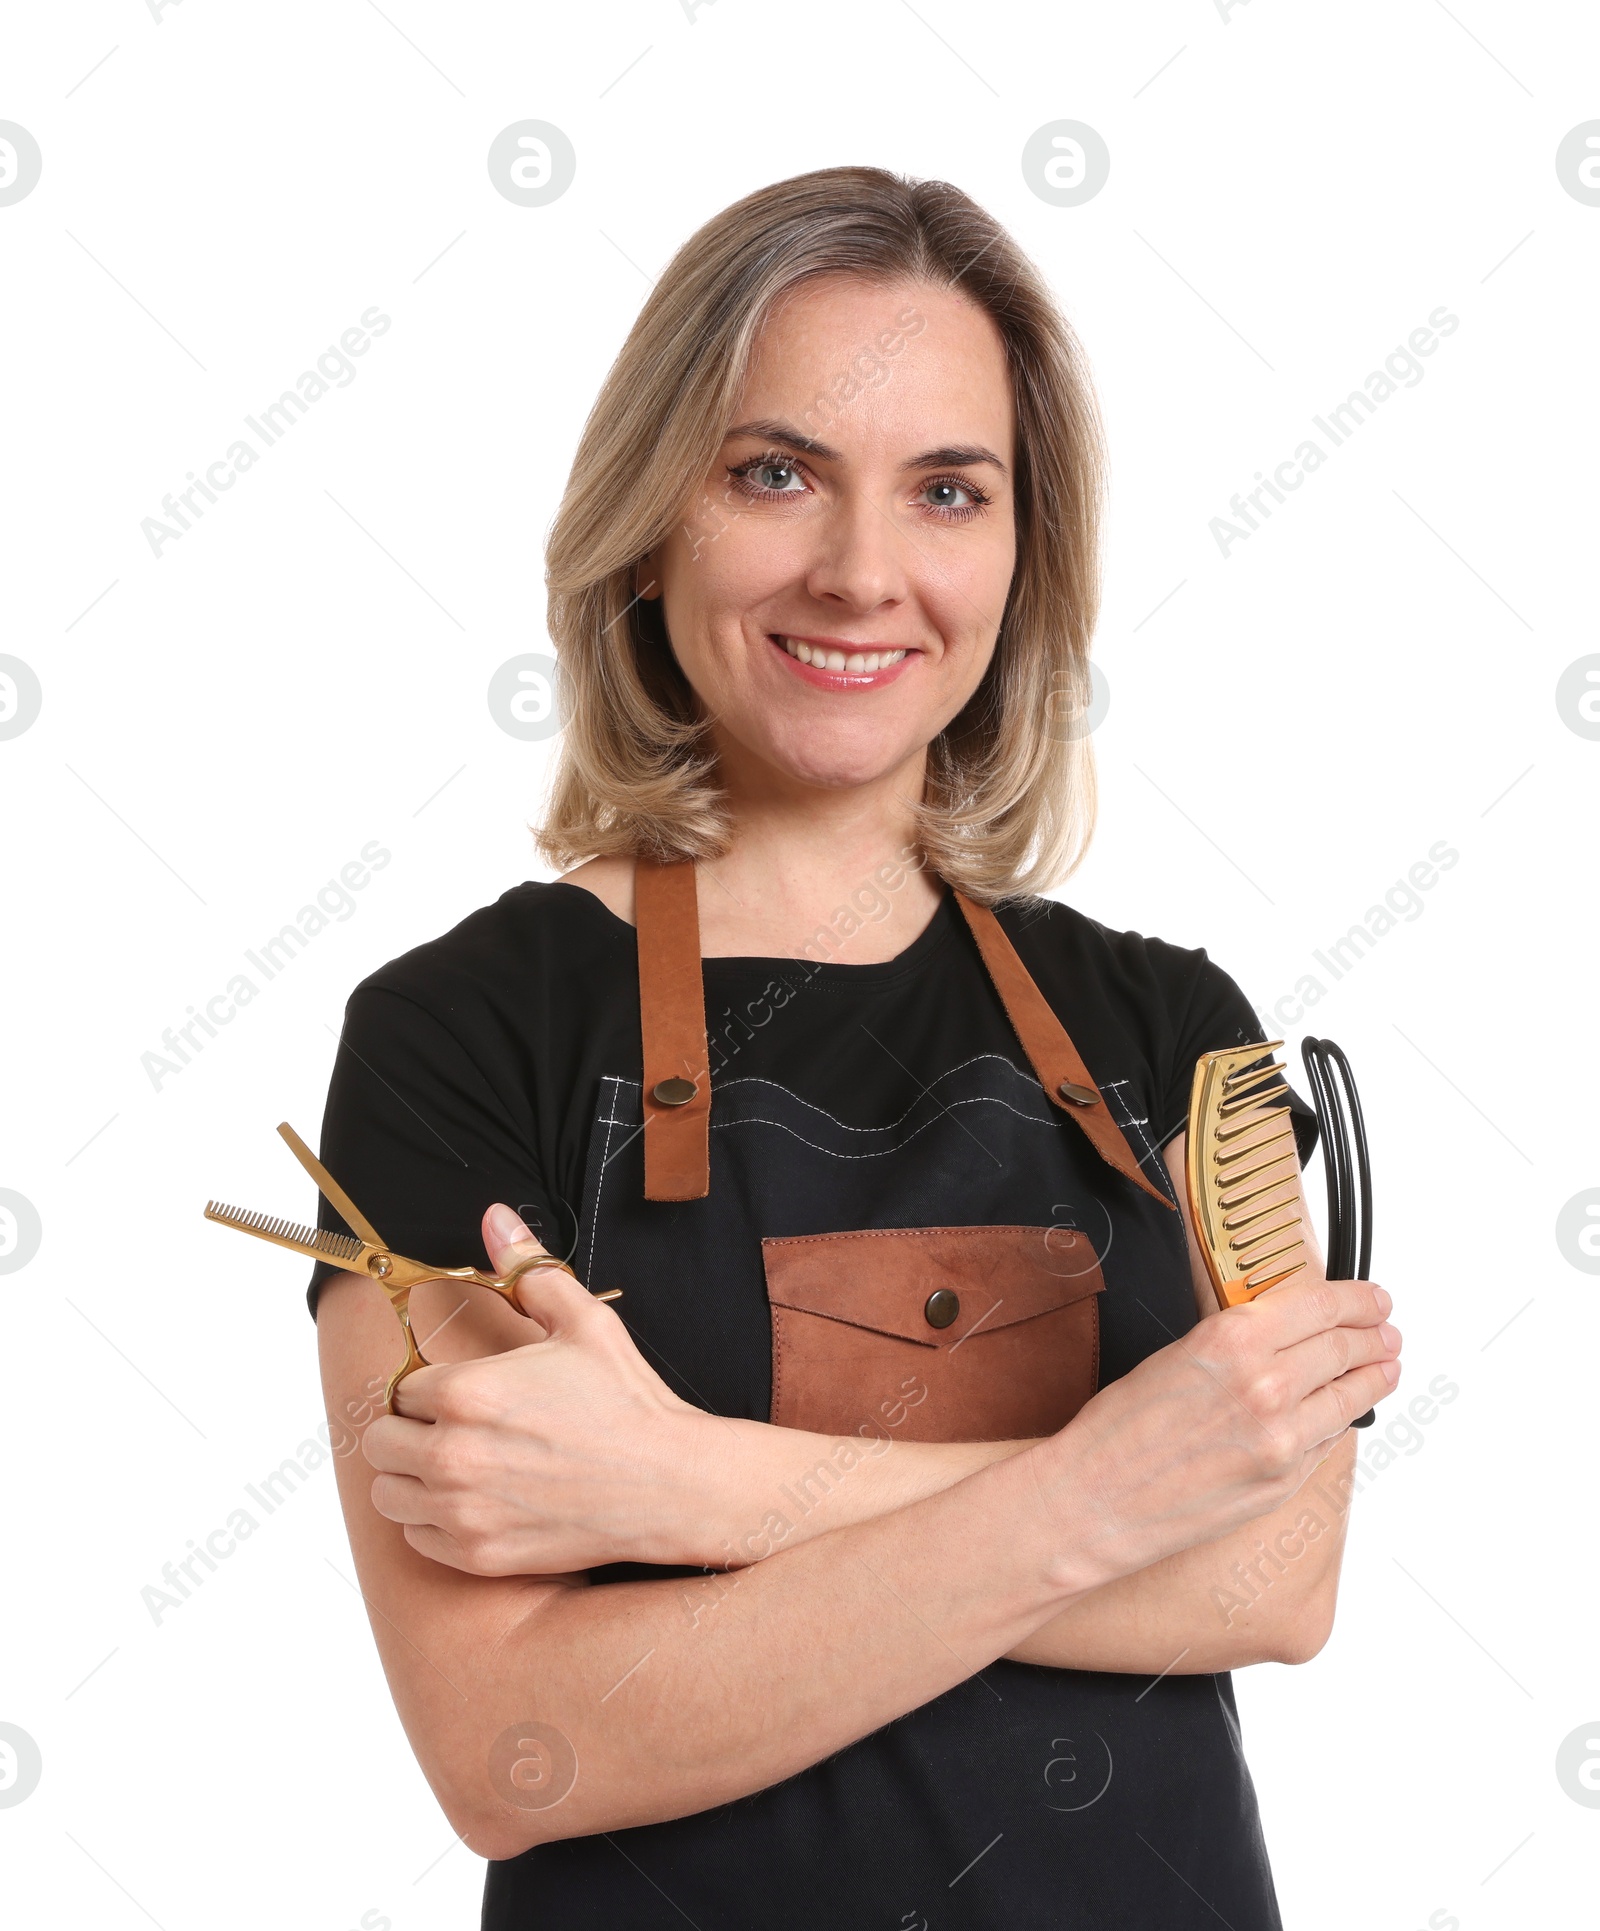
(865, 1339)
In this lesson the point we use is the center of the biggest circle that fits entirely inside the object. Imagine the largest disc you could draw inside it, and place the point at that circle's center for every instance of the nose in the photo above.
(860, 562)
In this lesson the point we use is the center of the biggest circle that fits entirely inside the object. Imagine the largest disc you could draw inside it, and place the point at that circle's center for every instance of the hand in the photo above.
(549, 1458)
(1220, 1428)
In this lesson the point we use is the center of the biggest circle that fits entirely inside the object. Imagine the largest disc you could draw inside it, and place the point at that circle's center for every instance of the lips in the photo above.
(829, 663)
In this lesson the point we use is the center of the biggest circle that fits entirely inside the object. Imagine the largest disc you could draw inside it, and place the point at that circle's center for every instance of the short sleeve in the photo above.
(419, 1139)
(1217, 1016)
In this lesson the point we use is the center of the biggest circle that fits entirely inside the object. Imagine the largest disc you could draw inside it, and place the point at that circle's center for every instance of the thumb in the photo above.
(506, 1237)
(539, 1292)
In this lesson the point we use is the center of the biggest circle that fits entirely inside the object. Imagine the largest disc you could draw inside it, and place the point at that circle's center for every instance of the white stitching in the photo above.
(1124, 1117)
(605, 1161)
(752, 1079)
(1139, 1122)
(883, 1152)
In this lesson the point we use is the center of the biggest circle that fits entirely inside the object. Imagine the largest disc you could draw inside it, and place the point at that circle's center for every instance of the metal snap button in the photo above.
(1079, 1095)
(674, 1092)
(942, 1307)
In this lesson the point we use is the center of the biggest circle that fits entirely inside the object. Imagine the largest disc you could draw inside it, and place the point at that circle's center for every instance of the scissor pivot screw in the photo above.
(381, 1265)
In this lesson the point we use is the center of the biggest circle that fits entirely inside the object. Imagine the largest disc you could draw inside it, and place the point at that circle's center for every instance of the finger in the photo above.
(508, 1241)
(1315, 1363)
(506, 1237)
(420, 1401)
(549, 1295)
(399, 1444)
(402, 1498)
(416, 1398)
(1298, 1309)
(1331, 1409)
(560, 1304)
(438, 1546)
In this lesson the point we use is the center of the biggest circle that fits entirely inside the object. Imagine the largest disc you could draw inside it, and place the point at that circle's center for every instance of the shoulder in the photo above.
(529, 941)
(1143, 1006)
(1135, 973)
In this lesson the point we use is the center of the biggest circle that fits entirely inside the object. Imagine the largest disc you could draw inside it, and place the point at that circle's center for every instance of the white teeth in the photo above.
(862, 663)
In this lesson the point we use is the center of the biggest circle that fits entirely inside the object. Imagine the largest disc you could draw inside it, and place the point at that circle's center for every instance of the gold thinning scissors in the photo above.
(367, 1253)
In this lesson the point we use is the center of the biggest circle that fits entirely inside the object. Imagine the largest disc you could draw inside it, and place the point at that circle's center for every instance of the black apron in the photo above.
(876, 1310)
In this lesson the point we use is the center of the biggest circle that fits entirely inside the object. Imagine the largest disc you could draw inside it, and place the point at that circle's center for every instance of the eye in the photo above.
(769, 476)
(954, 499)
(782, 478)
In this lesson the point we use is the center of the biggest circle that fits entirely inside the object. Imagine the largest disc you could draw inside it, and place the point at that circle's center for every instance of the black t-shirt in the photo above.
(503, 1062)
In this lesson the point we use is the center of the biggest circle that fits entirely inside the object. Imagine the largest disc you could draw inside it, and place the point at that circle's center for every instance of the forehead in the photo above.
(891, 365)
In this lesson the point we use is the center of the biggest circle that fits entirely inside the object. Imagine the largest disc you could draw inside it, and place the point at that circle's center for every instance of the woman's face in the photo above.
(859, 515)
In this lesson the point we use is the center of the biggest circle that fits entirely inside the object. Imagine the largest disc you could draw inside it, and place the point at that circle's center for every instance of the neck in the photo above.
(816, 872)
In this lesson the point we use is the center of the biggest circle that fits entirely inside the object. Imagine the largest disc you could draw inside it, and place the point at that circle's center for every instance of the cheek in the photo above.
(976, 564)
(719, 577)
(999, 570)
(701, 612)
(966, 597)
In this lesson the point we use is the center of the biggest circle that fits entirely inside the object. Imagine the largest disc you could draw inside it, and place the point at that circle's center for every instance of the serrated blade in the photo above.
(316, 1242)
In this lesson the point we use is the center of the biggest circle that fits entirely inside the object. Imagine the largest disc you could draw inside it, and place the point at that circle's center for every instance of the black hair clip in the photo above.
(1345, 1165)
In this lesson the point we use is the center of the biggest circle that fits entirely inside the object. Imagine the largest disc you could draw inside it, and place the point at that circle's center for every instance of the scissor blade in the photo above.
(315, 1242)
(330, 1189)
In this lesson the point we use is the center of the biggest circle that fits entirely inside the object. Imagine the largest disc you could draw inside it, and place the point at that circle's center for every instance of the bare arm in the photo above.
(1264, 1593)
(677, 1696)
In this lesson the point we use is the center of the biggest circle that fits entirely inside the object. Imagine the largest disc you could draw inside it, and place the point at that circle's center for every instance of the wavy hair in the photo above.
(1009, 799)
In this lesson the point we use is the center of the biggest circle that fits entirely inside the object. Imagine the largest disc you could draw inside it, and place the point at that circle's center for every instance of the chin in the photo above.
(838, 766)
(836, 777)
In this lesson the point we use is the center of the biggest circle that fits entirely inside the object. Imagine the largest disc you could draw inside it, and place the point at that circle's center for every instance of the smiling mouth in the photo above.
(852, 660)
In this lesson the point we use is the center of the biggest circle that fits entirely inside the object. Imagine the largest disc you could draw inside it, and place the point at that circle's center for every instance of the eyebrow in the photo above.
(948, 456)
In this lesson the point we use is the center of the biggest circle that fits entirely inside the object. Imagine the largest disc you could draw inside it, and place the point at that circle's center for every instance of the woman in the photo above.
(813, 1584)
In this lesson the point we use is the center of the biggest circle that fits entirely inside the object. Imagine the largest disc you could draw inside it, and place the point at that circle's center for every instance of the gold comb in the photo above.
(370, 1256)
(1243, 1170)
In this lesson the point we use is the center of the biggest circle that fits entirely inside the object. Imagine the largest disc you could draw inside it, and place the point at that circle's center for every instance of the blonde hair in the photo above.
(1009, 800)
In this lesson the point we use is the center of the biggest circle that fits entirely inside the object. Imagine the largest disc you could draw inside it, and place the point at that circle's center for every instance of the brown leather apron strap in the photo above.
(672, 1018)
(677, 1078)
(1050, 1051)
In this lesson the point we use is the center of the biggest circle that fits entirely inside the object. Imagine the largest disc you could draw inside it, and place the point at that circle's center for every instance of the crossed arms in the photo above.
(1103, 1548)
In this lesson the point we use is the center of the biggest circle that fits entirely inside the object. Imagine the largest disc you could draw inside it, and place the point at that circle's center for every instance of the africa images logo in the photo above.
(1401, 370)
(335, 367)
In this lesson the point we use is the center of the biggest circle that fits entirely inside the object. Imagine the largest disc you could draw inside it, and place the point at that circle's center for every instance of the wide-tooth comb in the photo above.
(318, 1242)
(1243, 1170)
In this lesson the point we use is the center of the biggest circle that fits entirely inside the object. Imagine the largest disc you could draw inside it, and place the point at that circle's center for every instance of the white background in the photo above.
(1292, 191)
